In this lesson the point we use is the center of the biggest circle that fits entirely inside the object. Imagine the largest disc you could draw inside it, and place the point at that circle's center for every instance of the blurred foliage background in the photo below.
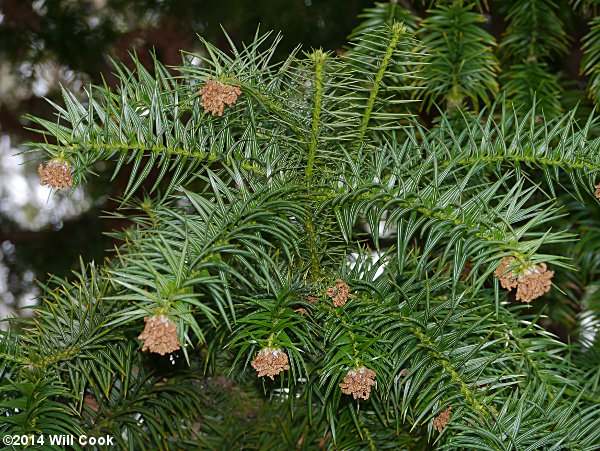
(520, 46)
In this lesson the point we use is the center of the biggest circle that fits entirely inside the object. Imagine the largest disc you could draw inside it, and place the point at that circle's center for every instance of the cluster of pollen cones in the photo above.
(55, 175)
(160, 335)
(340, 293)
(531, 283)
(215, 95)
(358, 383)
(270, 362)
(439, 422)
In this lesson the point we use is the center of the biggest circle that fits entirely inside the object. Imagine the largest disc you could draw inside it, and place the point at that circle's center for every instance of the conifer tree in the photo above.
(309, 266)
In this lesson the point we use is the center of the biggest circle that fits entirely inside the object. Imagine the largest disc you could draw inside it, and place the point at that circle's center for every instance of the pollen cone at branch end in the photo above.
(270, 362)
(440, 422)
(358, 383)
(340, 293)
(55, 175)
(531, 283)
(215, 95)
(160, 335)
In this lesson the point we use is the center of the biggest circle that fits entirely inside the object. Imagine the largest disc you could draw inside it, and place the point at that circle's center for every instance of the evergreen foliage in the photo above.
(460, 63)
(319, 219)
(591, 61)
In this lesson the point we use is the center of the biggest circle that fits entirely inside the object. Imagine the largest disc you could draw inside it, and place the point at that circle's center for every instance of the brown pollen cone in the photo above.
(340, 293)
(535, 282)
(358, 383)
(270, 362)
(215, 95)
(531, 284)
(55, 175)
(160, 335)
(507, 278)
(597, 193)
(440, 422)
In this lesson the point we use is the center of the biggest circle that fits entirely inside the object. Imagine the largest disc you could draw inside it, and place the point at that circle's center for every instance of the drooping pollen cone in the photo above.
(340, 293)
(531, 283)
(535, 282)
(597, 193)
(358, 383)
(507, 278)
(160, 335)
(215, 95)
(440, 422)
(270, 362)
(55, 175)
